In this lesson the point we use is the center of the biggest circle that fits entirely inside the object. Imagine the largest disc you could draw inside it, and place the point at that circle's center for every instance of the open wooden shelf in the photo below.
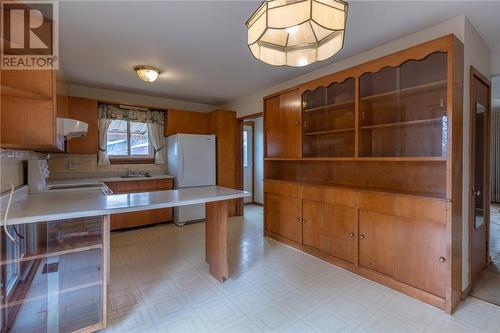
(342, 130)
(330, 106)
(68, 247)
(422, 88)
(404, 123)
(50, 294)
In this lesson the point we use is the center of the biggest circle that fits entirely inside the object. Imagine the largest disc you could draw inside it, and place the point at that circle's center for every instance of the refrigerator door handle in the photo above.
(180, 181)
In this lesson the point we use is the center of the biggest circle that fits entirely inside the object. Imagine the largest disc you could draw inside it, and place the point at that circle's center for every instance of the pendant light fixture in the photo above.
(147, 73)
(297, 32)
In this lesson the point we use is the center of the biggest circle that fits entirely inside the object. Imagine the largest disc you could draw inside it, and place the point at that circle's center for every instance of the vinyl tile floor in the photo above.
(487, 287)
(160, 283)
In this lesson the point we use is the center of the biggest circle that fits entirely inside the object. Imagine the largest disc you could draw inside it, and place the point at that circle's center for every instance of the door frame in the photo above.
(240, 170)
(475, 74)
(252, 125)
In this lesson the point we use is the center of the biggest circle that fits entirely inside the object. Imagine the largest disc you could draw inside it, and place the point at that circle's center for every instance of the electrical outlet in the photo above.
(71, 165)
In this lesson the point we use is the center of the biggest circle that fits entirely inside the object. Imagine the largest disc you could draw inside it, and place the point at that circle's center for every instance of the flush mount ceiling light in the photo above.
(147, 73)
(297, 32)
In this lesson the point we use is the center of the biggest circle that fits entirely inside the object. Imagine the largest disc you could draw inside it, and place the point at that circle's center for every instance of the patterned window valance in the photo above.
(109, 111)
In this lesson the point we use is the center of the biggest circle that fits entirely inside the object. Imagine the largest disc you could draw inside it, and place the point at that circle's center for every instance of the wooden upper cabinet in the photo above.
(187, 122)
(403, 109)
(28, 117)
(328, 125)
(85, 110)
(282, 125)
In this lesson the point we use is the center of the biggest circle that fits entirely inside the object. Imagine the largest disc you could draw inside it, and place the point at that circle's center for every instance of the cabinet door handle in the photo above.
(298, 220)
(351, 234)
(361, 236)
(297, 122)
(442, 259)
(304, 220)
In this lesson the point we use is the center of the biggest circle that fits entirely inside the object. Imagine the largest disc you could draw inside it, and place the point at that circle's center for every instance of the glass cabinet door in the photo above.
(328, 121)
(51, 276)
(403, 110)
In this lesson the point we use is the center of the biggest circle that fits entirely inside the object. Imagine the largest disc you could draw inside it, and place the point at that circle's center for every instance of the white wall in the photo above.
(130, 98)
(495, 61)
(259, 161)
(477, 54)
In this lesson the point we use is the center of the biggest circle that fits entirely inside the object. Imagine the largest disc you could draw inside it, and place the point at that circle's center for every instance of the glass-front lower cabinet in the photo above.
(52, 277)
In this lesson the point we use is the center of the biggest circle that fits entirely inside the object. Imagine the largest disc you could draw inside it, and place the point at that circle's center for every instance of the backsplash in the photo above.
(85, 165)
(12, 167)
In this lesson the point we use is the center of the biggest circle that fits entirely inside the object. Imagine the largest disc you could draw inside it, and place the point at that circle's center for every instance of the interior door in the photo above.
(479, 177)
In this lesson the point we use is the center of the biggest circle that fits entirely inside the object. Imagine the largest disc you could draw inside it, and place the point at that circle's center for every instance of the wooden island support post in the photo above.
(216, 239)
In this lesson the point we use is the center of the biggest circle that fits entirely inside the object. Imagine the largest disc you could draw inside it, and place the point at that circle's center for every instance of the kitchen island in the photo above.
(54, 270)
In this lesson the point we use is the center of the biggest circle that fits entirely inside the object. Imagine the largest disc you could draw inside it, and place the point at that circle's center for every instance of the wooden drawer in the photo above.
(140, 185)
(164, 184)
(136, 219)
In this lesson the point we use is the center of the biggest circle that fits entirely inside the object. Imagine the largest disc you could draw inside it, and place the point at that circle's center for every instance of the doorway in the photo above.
(248, 160)
(252, 157)
(484, 276)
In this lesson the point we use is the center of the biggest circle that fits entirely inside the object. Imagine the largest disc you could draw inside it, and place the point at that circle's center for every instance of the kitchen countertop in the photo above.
(72, 204)
(105, 179)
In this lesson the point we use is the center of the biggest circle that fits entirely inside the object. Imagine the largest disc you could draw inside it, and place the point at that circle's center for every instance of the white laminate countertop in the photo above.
(105, 179)
(72, 204)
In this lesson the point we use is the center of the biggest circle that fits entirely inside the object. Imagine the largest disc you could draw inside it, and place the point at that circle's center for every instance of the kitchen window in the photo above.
(128, 140)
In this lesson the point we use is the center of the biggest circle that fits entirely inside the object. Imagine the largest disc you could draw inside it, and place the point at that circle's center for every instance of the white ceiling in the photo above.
(201, 45)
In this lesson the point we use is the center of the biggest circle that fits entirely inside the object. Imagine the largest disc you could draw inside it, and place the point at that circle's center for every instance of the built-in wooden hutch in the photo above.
(363, 168)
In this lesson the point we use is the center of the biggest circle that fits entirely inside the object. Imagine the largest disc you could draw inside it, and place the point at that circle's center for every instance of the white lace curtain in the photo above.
(154, 119)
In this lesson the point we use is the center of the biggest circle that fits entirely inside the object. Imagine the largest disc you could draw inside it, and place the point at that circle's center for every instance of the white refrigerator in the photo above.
(191, 160)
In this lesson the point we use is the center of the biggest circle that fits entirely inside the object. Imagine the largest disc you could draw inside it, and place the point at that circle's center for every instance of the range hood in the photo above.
(72, 128)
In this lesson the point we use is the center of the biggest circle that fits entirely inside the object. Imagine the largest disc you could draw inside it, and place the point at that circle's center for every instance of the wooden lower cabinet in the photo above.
(290, 222)
(283, 216)
(145, 217)
(341, 232)
(376, 242)
(329, 228)
(421, 257)
(396, 240)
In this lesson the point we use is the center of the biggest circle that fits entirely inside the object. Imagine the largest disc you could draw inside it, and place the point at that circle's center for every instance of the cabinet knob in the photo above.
(298, 220)
(351, 234)
(304, 220)
(442, 259)
(297, 122)
(361, 236)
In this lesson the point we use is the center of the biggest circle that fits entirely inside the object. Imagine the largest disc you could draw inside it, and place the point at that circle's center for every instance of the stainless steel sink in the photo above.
(136, 176)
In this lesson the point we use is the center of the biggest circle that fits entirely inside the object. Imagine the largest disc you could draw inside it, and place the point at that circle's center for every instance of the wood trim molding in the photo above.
(251, 116)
